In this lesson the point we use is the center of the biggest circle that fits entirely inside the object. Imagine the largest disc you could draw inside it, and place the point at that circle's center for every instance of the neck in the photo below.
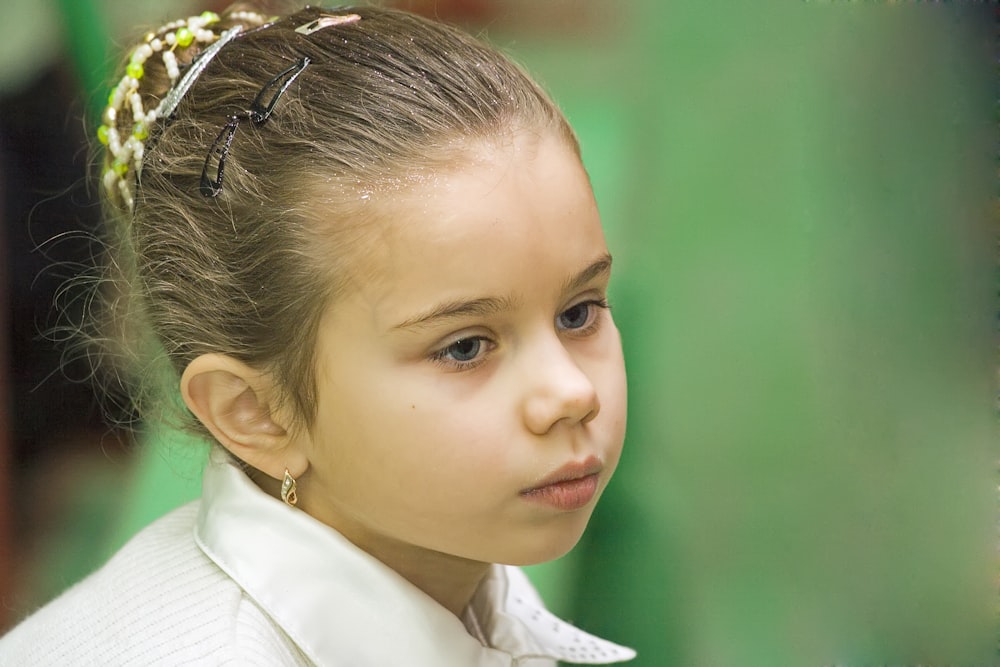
(450, 580)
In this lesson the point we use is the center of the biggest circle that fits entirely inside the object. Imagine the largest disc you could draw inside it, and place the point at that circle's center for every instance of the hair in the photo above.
(250, 272)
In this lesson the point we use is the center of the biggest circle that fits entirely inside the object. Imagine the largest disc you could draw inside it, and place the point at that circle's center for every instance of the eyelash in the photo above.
(441, 356)
(593, 321)
(591, 326)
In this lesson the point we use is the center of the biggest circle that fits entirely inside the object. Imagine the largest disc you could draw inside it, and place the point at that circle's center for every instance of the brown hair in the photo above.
(249, 273)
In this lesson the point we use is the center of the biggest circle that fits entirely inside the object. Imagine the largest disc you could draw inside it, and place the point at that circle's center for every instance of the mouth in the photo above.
(570, 488)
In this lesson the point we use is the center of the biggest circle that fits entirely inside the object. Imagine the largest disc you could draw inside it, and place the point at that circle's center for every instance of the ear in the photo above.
(235, 403)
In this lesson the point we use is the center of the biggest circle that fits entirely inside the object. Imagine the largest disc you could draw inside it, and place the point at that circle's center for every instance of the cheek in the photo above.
(468, 448)
(613, 392)
(455, 434)
(440, 435)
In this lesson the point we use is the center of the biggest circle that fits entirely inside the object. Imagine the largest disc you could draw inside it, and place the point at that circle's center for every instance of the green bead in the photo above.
(184, 37)
(120, 168)
(209, 17)
(134, 70)
(111, 97)
(140, 131)
(102, 134)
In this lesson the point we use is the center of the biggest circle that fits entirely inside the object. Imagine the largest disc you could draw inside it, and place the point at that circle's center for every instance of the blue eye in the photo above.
(580, 317)
(466, 349)
(464, 353)
(575, 317)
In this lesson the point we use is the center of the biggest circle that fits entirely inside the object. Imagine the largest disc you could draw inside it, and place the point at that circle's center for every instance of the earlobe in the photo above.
(233, 401)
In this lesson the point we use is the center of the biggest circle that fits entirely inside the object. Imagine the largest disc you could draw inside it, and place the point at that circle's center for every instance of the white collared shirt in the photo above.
(265, 584)
(342, 606)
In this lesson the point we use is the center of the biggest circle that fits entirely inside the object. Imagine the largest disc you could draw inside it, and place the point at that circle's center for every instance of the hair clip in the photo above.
(326, 21)
(211, 187)
(258, 114)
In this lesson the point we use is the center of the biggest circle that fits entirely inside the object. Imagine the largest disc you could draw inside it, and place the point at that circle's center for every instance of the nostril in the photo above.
(546, 409)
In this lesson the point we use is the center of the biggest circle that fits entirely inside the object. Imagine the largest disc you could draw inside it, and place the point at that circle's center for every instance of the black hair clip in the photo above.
(260, 110)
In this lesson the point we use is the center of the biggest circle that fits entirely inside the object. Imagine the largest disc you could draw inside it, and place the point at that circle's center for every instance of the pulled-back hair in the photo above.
(249, 272)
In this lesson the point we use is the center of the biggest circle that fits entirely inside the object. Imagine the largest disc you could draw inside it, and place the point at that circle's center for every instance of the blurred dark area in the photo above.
(49, 217)
(53, 421)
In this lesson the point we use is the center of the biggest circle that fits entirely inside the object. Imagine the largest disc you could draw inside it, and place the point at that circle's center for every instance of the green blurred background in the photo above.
(801, 200)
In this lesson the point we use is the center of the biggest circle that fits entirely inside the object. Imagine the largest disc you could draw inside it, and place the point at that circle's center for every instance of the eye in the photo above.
(466, 349)
(463, 353)
(582, 317)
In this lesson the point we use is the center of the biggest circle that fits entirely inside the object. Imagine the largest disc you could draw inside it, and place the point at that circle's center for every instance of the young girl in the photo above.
(366, 247)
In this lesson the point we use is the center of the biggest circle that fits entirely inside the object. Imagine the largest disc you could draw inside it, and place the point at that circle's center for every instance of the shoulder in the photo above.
(158, 600)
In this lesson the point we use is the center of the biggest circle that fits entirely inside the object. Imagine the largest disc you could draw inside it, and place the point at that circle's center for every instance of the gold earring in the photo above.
(288, 489)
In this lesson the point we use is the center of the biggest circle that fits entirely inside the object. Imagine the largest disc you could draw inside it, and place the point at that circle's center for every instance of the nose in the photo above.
(558, 390)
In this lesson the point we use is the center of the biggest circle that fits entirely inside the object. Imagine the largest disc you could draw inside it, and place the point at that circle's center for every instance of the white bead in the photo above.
(170, 62)
(170, 38)
(248, 16)
(114, 143)
(109, 179)
(126, 193)
(156, 44)
(110, 115)
(137, 153)
(137, 109)
(143, 52)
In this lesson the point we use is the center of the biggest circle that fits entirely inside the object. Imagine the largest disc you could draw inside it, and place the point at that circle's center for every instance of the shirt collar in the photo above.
(342, 606)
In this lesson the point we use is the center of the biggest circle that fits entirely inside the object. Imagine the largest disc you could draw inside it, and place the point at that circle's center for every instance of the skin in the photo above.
(431, 424)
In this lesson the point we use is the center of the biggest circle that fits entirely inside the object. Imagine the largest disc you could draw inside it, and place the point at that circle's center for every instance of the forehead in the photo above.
(500, 220)
(482, 186)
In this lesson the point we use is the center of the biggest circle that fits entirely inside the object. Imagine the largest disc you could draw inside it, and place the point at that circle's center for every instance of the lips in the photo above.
(572, 487)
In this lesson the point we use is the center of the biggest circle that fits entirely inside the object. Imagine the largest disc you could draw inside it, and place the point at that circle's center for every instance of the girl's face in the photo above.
(471, 389)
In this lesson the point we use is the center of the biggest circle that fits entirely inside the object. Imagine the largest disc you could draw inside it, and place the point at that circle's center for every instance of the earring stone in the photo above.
(288, 488)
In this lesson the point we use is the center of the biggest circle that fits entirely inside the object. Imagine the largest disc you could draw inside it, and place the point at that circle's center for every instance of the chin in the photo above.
(539, 556)
(544, 545)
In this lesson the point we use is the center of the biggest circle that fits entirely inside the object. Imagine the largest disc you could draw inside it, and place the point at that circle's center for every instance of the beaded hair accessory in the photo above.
(127, 154)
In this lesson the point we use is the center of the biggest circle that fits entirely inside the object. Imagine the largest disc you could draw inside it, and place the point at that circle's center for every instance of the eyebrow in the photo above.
(487, 306)
(601, 267)
(452, 310)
